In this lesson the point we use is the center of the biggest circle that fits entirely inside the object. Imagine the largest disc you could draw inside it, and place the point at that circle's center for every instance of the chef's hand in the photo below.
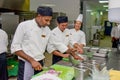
(65, 55)
(36, 65)
(68, 51)
(71, 50)
(80, 50)
(77, 57)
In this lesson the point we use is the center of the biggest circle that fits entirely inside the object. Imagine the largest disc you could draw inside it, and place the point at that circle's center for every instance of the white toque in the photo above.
(80, 17)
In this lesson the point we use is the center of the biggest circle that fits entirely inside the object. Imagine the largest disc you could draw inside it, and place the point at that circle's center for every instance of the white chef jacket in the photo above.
(77, 37)
(115, 32)
(3, 41)
(58, 40)
(30, 38)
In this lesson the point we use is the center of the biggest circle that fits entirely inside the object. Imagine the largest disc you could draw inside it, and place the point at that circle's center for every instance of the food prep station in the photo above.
(102, 58)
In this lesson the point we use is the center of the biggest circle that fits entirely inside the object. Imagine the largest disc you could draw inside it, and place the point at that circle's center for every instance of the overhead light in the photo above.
(101, 13)
(49, 5)
(103, 1)
(106, 10)
(92, 13)
(105, 5)
(88, 10)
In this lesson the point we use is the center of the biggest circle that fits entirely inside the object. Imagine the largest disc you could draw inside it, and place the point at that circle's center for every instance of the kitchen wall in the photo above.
(70, 7)
(12, 5)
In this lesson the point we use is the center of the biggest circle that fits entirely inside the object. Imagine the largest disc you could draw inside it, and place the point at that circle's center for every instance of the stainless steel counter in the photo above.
(112, 61)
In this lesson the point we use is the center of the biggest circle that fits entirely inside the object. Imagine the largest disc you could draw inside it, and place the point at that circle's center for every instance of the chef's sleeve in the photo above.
(54, 40)
(17, 39)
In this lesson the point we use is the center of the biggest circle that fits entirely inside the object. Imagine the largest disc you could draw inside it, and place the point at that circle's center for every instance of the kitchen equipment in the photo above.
(100, 74)
(81, 72)
(66, 72)
(101, 53)
(118, 47)
(85, 68)
(75, 62)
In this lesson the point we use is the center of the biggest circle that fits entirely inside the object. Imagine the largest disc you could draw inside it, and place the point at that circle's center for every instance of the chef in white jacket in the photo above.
(59, 41)
(115, 35)
(3, 53)
(29, 43)
(77, 35)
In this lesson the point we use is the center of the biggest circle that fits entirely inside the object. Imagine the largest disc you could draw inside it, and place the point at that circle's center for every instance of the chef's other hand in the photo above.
(65, 55)
(77, 57)
(36, 65)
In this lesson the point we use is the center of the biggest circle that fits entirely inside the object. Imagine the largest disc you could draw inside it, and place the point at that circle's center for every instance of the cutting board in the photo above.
(67, 73)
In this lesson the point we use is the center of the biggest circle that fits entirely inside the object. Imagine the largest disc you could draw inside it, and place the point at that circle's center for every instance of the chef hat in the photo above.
(79, 18)
(44, 11)
(62, 19)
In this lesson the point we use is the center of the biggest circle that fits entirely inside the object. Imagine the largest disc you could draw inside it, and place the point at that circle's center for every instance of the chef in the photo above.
(59, 41)
(77, 35)
(3, 52)
(115, 35)
(29, 43)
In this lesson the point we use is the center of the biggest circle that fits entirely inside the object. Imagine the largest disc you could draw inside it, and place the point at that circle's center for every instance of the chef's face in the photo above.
(77, 25)
(62, 26)
(44, 20)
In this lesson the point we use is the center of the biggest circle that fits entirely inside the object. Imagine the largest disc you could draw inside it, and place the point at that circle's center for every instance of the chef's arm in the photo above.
(82, 45)
(67, 53)
(78, 47)
(58, 44)
(21, 54)
(57, 53)
(73, 53)
(35, 64)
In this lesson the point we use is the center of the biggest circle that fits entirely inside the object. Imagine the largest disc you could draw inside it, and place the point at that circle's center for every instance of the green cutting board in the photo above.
(67, 73)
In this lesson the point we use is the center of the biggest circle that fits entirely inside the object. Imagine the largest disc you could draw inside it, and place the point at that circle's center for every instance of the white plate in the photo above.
(46, 76)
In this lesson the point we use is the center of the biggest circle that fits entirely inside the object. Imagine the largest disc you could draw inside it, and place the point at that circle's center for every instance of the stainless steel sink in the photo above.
(81, 74)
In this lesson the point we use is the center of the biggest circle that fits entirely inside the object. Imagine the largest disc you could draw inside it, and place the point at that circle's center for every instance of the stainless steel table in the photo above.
(112, 61)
